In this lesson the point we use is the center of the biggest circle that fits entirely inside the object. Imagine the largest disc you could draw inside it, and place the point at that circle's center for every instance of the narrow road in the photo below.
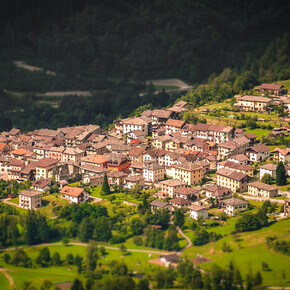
(11, 281)
(85, 245)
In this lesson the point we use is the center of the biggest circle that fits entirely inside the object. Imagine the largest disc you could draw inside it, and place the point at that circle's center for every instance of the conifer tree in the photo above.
(281, 178)
(105, 187)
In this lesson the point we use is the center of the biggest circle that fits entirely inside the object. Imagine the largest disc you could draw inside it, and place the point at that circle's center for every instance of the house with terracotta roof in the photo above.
(233, 147)
(272, 89)
(4, 148)
(153, 155)
(215, 133)
(281, 154)
(54, 152)
(94, 160)
(74, 194)
(153, 172)
(258, 152)
(169, 187)
(134, 180)
(233, 206)
(116, 178)
(45, 167)
(159, 205)
(235, 181)
(188, 172)
(136, 123)
(42, 184)
(198, 211)
(174, 126)
(239, 158)
(14, 132)
(96, 148)
(247, 169)
(217, 191)
(30, 199)
(253, 103)
(189, 193)
(72, 155)
(179, 202)
(261, 189)
(14, 168)
(28, 172)
(118, 162)
(94, 180)
(268, 168)
(136, 154)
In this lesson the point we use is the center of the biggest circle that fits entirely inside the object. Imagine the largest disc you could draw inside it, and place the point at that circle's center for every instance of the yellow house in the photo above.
(44, 167)
(253, 103)
(172, 145)
(188, 172)
(161, 141)
(235, 181)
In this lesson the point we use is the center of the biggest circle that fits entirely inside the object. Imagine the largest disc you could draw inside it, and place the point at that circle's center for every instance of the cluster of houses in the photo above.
(271, 97)
(155, 149)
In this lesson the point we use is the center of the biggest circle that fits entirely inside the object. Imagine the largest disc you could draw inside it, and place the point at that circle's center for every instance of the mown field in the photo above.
(248, 252)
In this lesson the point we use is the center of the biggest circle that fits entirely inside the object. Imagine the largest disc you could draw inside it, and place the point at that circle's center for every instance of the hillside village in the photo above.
(194, 167)
(174, 180)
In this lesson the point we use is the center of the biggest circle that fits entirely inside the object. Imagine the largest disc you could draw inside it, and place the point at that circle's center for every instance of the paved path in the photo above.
(189, 243)
(6, 200)
(11, 281)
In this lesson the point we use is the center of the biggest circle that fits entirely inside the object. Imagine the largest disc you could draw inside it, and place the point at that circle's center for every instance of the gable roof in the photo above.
(235, 202)
(71, 191)
(270, 87)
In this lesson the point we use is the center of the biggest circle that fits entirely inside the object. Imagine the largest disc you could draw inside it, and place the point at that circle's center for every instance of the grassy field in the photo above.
(259, 132)
(286, 84)
(248, 252)
(4, 282)
(136, 262)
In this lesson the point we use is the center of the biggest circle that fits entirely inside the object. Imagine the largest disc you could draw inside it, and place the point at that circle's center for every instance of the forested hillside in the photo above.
(88, 40)
(112, 47)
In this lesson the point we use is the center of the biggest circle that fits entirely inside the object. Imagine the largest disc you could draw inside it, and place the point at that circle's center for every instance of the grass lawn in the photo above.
(259, 132)
(286, 84)
(4, 282)
(136, 262)
(49, 202)
(272, 147)
(248, 252)
(15, 200)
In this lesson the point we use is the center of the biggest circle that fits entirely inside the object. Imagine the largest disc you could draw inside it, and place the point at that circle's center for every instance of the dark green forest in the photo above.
(112, 47)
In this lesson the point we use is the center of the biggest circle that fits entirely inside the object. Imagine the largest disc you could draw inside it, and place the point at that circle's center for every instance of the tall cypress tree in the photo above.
(281, 178)
(105, 187)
